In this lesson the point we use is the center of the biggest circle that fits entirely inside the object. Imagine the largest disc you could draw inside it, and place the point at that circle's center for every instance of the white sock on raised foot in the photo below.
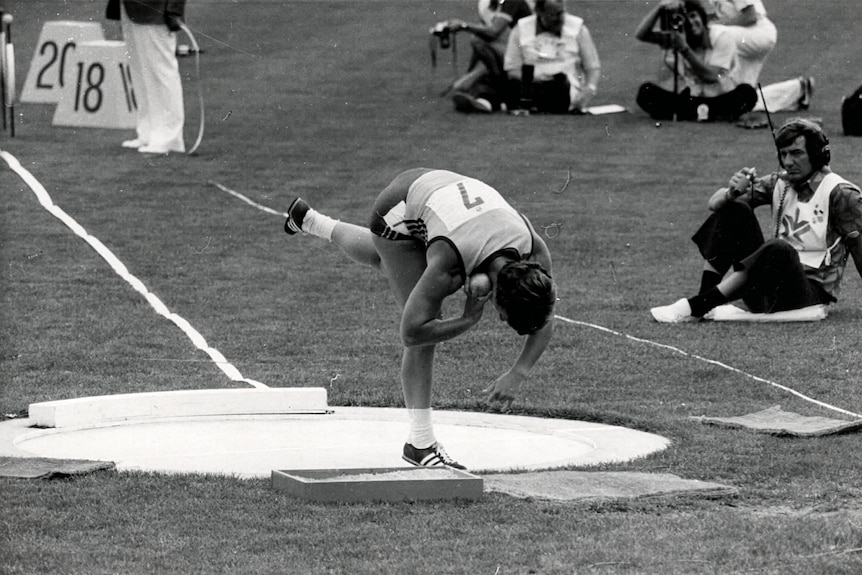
(317, 224)
(421, 430)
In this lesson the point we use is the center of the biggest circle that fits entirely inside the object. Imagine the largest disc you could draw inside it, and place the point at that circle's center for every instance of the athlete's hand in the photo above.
(474, 306)
(505, 388)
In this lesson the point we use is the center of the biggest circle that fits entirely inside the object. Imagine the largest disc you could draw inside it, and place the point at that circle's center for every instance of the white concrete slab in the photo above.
(87, 411)
(348, 437)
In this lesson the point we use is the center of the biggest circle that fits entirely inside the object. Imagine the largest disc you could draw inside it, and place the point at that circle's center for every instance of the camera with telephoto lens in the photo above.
(672, 18)
(443, 32)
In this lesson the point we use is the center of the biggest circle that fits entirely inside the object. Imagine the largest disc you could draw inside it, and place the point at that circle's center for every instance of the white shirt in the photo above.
(727, 11)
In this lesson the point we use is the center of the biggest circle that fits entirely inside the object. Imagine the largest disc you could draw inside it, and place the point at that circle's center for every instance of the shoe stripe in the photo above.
(430, 460)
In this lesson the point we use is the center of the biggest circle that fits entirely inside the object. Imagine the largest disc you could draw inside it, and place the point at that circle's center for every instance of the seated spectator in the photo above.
(755, 36)
(481, 88)
(786, 96)
(551, 61)
(700, 77)
(799, 260)
(752, 30)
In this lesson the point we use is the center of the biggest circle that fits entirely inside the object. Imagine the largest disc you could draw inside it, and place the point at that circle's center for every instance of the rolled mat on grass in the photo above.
(778, 422)
(600, 485)
(46, 468)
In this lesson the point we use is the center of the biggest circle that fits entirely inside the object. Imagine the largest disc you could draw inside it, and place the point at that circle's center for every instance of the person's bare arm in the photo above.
(421, 323)
(747, 17)
(645, 32)
(701, 68)
(507, 386)
(487, 32)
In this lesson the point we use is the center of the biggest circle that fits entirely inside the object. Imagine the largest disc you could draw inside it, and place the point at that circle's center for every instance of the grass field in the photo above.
(330, 100)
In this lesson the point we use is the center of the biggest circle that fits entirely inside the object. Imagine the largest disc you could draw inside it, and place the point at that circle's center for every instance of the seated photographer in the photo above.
(551, 61)
(480, 89)
(699, 79)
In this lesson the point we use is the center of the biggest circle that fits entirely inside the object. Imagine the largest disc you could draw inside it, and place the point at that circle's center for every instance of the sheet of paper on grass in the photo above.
(776, 421)
(730, 312)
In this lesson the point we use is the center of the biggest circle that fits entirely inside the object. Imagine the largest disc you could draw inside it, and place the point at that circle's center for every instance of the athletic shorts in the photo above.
(390, 206)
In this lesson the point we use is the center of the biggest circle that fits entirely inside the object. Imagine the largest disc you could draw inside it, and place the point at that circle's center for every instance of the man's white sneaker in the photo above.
(677, 312)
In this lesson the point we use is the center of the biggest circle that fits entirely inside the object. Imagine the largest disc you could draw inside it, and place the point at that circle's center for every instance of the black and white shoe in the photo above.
(468, 104)
(295, 214)
(431, 456)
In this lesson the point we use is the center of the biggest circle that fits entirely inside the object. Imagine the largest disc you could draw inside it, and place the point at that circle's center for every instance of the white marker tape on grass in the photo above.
(248, 201)
(121, 270)
(600, 328)
(713, 362)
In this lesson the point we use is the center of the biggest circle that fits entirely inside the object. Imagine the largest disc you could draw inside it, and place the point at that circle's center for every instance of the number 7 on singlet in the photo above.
(462, 201)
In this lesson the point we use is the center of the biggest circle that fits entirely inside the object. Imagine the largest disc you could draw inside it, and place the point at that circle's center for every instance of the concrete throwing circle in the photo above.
(347, 438)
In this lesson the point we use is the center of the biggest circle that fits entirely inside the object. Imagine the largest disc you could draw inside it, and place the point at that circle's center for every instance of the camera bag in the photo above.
(851, 113)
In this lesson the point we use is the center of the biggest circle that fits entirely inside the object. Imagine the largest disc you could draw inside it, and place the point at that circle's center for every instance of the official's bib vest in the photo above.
(551, 55)
(804, 224)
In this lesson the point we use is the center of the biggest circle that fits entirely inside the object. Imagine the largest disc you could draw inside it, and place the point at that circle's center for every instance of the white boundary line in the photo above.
(121, 270)
(248, 200)
(607, 330)
(713, 362)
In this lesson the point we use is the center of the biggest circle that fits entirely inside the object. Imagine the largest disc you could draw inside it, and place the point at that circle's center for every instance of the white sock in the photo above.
(421, 429)
(319, 225)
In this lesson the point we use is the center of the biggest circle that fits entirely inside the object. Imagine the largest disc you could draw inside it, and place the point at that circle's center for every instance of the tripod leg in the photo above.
(675, 83)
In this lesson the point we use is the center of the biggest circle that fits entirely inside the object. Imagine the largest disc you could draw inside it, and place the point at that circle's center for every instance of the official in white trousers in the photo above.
(150, 32)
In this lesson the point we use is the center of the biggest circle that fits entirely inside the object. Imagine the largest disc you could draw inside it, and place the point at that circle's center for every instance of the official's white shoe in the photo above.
(677, 312)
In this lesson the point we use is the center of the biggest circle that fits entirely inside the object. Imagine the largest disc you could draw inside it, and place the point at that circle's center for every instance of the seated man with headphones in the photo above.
(817, 226)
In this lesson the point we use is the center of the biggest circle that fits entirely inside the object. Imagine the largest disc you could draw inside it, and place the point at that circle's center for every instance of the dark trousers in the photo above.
(776, 281)
(545, 97)
(663, 104)
(493, 85)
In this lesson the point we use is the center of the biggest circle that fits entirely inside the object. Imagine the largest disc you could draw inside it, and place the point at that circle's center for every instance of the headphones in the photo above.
(816, 142)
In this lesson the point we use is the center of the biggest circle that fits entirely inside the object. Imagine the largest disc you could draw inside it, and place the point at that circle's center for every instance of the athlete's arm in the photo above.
(506, 387)
(421, 323)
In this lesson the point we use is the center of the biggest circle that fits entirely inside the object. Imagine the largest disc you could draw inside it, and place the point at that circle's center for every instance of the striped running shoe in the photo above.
(295, 214)
(429, 456)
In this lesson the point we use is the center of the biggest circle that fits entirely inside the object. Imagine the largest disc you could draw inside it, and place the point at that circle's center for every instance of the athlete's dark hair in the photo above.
(526, 292)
